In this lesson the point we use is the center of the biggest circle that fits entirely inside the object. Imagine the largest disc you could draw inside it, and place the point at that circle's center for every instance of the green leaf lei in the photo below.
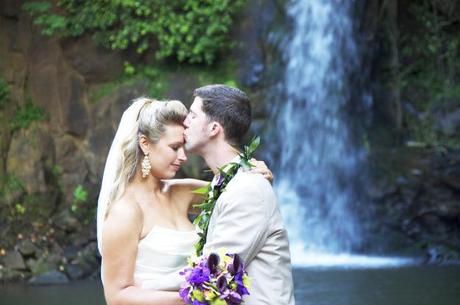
(212, 192)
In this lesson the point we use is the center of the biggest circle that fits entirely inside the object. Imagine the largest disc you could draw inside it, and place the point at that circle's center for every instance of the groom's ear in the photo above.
(215, 128)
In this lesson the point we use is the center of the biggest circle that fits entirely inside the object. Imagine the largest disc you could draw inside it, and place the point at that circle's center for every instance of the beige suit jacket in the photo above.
(246, 220)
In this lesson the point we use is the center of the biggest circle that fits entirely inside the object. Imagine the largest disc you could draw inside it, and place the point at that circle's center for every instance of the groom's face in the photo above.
(196, 127)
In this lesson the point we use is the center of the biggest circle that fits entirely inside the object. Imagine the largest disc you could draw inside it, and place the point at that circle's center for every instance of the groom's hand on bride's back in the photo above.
(261, 168)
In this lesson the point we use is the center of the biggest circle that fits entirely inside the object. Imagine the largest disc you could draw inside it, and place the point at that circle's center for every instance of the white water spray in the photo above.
(317, 163)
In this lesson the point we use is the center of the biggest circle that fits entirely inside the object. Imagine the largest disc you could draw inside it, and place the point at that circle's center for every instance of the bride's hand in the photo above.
(262, 168)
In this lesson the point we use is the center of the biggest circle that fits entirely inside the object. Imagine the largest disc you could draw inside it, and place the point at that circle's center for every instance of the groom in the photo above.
(246, 219)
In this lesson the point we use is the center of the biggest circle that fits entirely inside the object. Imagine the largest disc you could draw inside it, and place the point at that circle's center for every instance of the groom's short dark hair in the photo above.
(229, 107)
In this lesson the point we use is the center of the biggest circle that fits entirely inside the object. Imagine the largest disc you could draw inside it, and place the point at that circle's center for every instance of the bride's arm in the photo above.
(122, 230)
(188, 185)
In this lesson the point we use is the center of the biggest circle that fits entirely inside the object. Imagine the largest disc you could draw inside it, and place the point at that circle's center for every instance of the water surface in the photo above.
(409, 285)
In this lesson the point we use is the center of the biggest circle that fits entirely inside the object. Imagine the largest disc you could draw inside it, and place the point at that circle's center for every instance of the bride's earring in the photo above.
(146, 167)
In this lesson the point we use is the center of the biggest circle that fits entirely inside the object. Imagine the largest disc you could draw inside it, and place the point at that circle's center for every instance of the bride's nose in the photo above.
(182, 156)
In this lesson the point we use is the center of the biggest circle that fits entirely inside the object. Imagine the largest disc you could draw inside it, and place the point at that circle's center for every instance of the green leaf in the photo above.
(202, 190)
(246, 164)
(255, 142)
(37, 7)
(218, 301)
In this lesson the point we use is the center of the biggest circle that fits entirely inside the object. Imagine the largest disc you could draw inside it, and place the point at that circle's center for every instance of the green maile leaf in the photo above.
(251, 148)
(202, 190)
(212, 193)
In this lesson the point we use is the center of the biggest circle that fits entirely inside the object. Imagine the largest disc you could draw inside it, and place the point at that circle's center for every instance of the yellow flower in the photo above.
(246, 281)
(209, 295)
(218, 301)
(198, 295)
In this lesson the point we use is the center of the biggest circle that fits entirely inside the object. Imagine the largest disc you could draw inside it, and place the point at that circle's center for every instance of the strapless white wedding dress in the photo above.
(161, 255)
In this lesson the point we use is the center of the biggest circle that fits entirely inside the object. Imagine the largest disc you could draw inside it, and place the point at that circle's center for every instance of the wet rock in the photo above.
(251, 28)
(449, 208)
(71, 252)
(450, 123)
(101, 137)
(89, 254)
(10, 8)
(181, 88)
(380, 188)
(67, 222)
(27, 248)
(75, 271)
(30, 156)
(9, 275)
(14, 260)
(122, 98)
(92, 61)
(39, 266)
(74, 110)
(49, 278)
(70, 156)
(259, 108)
(57, 87)
(452, 177)
(30, 263)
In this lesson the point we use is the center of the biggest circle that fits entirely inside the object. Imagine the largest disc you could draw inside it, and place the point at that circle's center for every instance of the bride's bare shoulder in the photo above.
(125, 208)
(122, 227)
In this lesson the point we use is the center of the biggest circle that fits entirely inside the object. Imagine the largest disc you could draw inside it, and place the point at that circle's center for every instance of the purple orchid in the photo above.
(213, 277)
(213, 262)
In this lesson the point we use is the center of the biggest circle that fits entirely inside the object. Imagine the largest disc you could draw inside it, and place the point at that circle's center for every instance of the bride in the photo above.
(144, 233)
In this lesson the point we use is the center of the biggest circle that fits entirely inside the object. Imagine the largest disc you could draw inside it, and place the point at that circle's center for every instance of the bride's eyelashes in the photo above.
(175, 147)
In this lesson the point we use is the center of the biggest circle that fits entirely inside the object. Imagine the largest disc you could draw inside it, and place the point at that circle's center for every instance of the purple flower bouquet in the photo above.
(215, 279)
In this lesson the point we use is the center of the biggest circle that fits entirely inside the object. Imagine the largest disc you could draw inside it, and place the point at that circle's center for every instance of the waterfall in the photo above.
(313, 157)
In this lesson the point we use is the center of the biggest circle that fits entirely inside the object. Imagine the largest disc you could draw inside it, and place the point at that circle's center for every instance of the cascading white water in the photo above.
(315, 160)
(317, 167)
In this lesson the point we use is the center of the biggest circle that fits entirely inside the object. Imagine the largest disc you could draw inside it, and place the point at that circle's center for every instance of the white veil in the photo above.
(125, 129)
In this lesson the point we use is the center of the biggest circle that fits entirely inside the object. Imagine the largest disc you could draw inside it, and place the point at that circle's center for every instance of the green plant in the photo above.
(25, 115)
(56, 170)
(430, 65)
(80, 195)
(193, 31)
(129, 69)
(10, 184)
(20, 209)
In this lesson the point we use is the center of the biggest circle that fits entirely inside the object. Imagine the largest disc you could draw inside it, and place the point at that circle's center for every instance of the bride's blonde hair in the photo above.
(152, 119)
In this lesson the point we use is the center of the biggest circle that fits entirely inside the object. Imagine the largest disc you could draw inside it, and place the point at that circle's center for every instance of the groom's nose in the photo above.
(186, 121)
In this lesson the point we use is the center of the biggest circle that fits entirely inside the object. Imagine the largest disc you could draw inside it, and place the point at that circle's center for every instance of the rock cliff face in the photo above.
(52, 165)
(49, 158)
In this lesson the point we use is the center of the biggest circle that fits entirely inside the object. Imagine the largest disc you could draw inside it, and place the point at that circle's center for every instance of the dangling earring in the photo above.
(146, 166)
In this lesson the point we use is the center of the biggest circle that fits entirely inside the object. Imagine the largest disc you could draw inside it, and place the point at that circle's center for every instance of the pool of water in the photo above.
(407, 285)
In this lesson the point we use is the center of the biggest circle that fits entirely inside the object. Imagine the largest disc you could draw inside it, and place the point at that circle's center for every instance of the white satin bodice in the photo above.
(161, 255)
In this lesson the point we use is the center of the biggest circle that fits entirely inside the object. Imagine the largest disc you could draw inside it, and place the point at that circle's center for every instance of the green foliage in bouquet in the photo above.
(192, 31)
